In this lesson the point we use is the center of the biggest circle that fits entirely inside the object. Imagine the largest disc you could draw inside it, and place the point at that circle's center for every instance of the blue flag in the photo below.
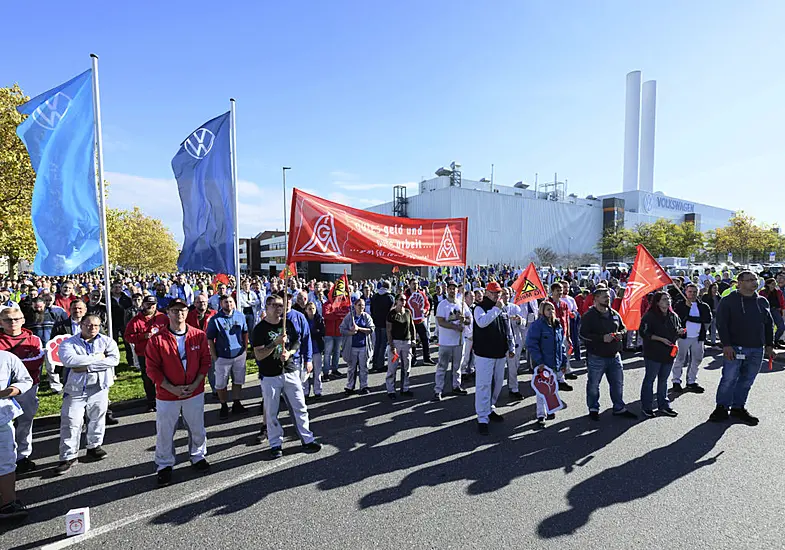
(203, 171)
(59, 134)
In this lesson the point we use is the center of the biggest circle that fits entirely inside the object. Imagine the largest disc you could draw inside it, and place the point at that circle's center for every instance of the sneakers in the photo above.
(744, 415)
(648, 413)
(365, 391)
(261, 436)
(540, 422)
(551, 416)
(594, 415)
(109, 419)
(460, 391)
(13, 510)
(151, 409)
(224, 414)
(720, 414)
(238, 408)
(24, 465)
(429, 363)
(337, 375)
(564, 386)
(571, 376)
(625, 414)
(667, 412)
(276, 452)
(482, 428)
(64, 467)
(312, 447)
(96, 454)
(516, 396)
(694, 388)
(164, 476)
(677, 387)
(203, 467)
(436, 397)
(495, 417)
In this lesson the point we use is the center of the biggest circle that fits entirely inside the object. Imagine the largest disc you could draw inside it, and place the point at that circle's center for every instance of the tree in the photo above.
(616, 244)
(745, 240)
(139, 242)
(545, 256)
(17, 240)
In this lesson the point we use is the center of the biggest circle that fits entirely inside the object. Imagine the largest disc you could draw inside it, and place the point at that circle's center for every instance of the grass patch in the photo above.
(127, 386)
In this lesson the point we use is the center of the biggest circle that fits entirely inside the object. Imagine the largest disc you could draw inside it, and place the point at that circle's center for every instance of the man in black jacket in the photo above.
(603, 331)
(745, 326)
(695, 316)
(493, 343)
(381, 304)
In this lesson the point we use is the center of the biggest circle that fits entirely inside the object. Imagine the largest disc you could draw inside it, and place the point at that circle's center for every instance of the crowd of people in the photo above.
(185, 329)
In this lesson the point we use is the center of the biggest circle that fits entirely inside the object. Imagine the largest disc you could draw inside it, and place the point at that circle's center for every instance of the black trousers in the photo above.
(422, 334)
(149, 387)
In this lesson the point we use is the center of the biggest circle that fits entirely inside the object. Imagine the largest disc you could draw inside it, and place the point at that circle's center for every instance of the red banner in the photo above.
(528, 286)
(646, 276)
(325, 231)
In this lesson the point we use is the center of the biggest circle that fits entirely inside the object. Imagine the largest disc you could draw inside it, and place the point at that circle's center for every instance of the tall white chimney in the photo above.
(632, 117)
(648, 117)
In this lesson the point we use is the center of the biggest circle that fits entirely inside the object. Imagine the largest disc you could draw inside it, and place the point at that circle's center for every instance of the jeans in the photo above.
(575, 335)
(611, 367)
(659, 371)
(779, 322)
(332, 349)
(422, 334)
(380, 348)
(149, 386)
(738, 376)
(250, 321)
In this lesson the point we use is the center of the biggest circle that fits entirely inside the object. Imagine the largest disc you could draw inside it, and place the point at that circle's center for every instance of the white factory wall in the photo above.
(504, 228)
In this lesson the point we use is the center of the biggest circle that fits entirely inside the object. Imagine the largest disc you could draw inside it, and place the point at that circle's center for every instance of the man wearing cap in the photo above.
(493, 343)
(452, 314)
(381, 304)
(141, 328)
(227, 336)
(177, 361)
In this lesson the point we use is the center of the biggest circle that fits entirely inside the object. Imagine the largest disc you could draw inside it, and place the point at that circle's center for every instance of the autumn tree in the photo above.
(744, 239)
(17, 240)
(140, 242)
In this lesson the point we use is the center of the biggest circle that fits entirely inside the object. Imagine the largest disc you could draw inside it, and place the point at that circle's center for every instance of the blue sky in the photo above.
(359, 96)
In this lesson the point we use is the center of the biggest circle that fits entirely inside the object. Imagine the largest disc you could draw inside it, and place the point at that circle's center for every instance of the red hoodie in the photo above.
(163, 361)
(65, 303)
(140, 330)
(27, 347)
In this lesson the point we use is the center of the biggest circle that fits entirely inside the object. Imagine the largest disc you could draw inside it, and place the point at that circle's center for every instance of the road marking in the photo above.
(98, 531)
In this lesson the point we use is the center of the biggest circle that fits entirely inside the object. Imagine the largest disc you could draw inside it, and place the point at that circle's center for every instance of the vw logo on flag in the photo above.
(199, 143)
(49, 113)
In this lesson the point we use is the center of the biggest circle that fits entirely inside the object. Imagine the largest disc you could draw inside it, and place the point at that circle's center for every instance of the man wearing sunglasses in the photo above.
(27, 347)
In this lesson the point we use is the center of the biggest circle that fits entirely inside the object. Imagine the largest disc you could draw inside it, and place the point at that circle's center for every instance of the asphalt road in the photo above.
(416, 474)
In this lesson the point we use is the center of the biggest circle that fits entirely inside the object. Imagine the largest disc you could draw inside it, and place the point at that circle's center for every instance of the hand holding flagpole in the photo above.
(286, 247)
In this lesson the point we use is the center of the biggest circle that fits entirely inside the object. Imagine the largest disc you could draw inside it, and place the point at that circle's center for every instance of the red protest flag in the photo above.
(325, 231)
(646, 276)
(396, 269)
(219, 279)
(528, 286)
(339, 293)
(288, 271)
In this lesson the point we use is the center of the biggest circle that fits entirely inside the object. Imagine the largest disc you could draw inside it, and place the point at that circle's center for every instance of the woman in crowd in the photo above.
(401, 336)
(357, 328)
(546, 347)
(660, 329)
(316, 324)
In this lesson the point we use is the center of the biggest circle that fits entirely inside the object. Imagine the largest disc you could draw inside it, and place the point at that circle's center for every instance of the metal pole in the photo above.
(102, 194)
(233, 149)
(286, 247)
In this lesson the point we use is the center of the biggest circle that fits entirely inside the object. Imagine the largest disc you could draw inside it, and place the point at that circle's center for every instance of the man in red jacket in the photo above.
(140, 329)
(27, 347)
(177, 360)
(420, 307)
(66, 295)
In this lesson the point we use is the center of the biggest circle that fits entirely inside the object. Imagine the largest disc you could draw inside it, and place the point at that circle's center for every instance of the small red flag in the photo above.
(288, 271)
(339, 293)
(646, 276)
(396, 269)
(218, 279)
(528, 286)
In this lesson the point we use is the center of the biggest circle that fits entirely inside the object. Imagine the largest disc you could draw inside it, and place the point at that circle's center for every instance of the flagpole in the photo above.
(102, 194)
(286, 247)
(233, 148)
